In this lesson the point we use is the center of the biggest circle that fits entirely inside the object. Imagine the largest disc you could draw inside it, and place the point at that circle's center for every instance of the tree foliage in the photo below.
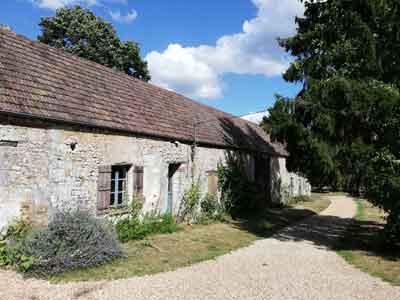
(347, 116)
(80, 32)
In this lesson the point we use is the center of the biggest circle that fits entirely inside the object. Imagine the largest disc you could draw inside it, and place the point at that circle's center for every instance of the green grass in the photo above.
(193, 244)
(167, 252)
(363, 245)
(316, 202)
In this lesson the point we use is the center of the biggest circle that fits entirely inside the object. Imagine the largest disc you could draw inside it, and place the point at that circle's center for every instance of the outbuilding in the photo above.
(76, 134)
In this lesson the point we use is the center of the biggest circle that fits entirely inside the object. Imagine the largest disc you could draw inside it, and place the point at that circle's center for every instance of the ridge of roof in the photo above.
(47, 82)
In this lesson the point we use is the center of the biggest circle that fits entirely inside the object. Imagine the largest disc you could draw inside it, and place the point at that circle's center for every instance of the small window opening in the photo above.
(7, 143)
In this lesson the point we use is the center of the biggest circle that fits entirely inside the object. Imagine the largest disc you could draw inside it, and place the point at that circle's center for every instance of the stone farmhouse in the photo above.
(76, 134)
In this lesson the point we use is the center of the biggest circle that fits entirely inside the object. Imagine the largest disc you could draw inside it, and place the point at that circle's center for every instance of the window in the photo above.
(119, 184)
(212, 179)
(7, 143)
(113, 187)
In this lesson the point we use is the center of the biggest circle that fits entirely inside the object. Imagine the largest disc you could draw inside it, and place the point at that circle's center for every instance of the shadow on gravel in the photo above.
(272, 220)
(341, 234)
(323, 231)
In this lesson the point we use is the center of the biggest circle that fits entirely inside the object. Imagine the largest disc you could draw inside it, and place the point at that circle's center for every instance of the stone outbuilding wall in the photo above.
(286, 185)
(45, 168)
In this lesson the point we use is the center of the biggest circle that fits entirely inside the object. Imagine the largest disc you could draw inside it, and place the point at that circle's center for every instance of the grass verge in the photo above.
(316, 203)
(363, 245)
(193, 244)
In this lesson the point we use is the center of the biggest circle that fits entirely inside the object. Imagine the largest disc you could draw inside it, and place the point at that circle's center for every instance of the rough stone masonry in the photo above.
(46, 167)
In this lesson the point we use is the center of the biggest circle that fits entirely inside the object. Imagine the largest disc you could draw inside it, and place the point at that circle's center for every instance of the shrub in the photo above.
(190, 203)
(133, 227)
(10, 246)
(135, 207)
(164, 223)
(237, 191)
(383, 189)
(12, 256)
(129, 229)
(72, 240)
(16, 231)
(209, 205)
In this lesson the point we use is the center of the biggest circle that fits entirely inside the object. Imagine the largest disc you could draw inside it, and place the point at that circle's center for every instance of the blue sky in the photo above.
(222, 53)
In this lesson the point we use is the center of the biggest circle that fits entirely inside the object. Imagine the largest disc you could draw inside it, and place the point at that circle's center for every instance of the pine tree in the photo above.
(344, 126)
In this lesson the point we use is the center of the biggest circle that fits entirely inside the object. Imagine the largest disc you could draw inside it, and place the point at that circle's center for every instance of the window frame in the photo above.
(115, 190)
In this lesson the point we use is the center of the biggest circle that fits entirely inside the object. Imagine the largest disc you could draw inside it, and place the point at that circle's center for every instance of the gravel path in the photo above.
(295, 264)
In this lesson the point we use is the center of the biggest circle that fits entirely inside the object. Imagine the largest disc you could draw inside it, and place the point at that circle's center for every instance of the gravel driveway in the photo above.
(297, 263)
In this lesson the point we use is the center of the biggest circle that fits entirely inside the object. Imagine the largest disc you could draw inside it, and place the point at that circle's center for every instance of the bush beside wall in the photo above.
(135, 227)
(72, 240)
(132, 228)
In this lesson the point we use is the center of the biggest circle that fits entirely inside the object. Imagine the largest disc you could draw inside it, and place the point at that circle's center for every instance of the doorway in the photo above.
(262, 175)
(172, 168)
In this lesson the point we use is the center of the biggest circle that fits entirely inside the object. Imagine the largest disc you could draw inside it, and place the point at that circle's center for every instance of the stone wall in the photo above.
(284, 184)
(45, 168)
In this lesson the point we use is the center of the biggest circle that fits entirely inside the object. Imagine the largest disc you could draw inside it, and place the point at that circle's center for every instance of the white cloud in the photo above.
(178, 69)
(54, 4)
(128, 18)
(115, 15)
(197, 71)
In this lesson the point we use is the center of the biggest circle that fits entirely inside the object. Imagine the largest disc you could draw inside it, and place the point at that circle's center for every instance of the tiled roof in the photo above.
(39, 81)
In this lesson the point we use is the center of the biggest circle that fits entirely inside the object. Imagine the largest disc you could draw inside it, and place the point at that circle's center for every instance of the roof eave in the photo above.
(136, 133)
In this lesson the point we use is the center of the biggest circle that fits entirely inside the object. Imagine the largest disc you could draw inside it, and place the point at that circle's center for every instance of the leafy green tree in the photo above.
(346, 118)
(80, 32)
(384, 191)
(309, 155)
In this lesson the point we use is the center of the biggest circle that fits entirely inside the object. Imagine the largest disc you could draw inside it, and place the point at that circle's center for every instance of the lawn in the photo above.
(363, 245)
(318, 203)
(194, 244)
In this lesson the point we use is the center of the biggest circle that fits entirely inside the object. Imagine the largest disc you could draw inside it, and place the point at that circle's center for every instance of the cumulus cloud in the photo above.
(115, 15)
(178, 69)
(127, 18)
(54, 4)
(197, 71)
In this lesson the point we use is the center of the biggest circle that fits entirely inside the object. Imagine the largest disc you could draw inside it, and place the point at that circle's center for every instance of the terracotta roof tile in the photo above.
(40, 81)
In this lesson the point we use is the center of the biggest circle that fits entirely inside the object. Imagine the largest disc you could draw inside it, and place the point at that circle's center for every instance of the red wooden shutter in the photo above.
(104, 187)
(139, 182)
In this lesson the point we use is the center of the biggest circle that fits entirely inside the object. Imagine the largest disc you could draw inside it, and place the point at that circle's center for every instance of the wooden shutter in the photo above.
(104, 187)
(212, 183)
(139, 182)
